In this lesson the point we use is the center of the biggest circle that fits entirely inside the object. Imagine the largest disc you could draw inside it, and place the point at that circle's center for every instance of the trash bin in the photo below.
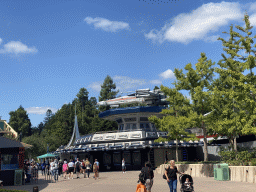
(221, 172)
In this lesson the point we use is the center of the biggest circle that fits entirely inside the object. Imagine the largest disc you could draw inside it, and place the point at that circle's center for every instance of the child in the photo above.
(141, 186)
(187, 184)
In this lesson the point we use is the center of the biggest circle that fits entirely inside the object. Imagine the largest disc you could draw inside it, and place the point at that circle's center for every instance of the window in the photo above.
(119, 121)
(121, 127)
(143, 119)
(9, 161)
(134, 126)
(130, 119)
(127, 127)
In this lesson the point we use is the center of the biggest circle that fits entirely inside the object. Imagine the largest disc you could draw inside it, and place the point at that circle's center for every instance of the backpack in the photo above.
(83, 164)
(146, 174)
(77, 165)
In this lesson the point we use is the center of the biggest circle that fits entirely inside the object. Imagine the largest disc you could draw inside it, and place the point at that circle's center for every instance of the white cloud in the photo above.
(96, 86)
(168, 74)
(124, 82)
(187, 27)
(211, 38)
(156, 82)
(107, 25)
(252, 19)
(1, 40)
(40, 110)
(17, 47)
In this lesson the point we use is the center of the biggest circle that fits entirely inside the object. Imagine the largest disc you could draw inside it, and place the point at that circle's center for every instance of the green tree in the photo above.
(38, 143)
(107, 92)
(233, 89)
(176, 120)
(20, 121)
(199, 84)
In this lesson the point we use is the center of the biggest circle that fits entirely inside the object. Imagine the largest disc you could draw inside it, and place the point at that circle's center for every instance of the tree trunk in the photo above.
(177, 154)
(235, 144)
(232, 143)
(205, 145)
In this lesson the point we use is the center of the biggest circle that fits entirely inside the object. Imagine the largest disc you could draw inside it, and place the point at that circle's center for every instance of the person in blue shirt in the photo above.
(43, 168)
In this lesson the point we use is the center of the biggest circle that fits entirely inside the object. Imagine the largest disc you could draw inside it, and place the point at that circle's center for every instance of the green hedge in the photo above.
(11, 190)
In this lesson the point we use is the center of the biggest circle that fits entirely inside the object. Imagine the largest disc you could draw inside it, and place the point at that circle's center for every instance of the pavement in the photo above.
(126, 182)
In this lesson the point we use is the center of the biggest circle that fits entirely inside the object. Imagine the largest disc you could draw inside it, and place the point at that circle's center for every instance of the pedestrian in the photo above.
(71, 167)
(28, 173)
(65, 169)
(60, 168)
(141, 186)
(98, 169)
(78, 167)
(171, 176)
(43, 165)
(88, 166)
(95, 170)
(123, 166)
(149, 175)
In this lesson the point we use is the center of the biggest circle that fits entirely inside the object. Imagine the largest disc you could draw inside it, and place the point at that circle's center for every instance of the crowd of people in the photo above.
(57, 168)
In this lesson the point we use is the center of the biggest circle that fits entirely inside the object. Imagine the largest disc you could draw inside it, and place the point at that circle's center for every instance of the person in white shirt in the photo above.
(71, 167)
(123, 165)
(52, 168)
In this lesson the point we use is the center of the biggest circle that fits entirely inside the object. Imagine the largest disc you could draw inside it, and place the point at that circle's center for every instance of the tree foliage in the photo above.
(176, 119)
(20, 121)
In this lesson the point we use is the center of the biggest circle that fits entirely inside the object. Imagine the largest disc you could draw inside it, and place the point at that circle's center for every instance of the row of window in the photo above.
(133, 126)
(131, 119)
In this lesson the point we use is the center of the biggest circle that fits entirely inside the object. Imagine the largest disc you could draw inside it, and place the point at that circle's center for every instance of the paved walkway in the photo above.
(117, 181)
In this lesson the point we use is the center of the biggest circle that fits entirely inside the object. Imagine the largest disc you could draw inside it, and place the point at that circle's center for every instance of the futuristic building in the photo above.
(134, 139)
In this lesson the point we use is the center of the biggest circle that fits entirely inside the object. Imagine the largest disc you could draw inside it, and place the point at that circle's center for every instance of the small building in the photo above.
(12, 161)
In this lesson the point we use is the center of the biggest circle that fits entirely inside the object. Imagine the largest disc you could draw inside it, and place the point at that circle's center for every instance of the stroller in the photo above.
(186, 187)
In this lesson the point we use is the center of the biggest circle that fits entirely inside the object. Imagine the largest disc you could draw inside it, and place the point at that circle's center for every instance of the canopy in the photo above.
(47, 155)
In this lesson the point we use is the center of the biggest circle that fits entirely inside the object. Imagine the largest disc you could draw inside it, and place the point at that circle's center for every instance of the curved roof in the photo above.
(138, 109)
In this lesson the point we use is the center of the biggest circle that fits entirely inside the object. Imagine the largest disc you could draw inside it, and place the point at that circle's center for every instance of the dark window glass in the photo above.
(143, 119)
(130, 119)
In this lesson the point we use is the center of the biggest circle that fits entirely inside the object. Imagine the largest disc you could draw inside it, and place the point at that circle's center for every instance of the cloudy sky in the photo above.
(51, 49)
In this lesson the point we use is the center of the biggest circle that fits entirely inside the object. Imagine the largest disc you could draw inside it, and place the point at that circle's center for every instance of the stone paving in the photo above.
(117, 181)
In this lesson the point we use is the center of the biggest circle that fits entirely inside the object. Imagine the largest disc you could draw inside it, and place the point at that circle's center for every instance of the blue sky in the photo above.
(51, 49)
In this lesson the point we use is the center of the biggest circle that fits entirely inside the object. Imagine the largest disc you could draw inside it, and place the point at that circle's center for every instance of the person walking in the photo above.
(149, 175)
(78, 167)
(60, 168)
(88, 166)
(141, 186)
(123, 166)
(43, 165)
(65, 169)
(71, 168)
(95, 170)
(98, 169)
(171, 176)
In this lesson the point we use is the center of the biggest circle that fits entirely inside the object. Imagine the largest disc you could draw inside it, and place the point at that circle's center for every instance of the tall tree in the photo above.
(227, 90)
(176, 120)
(198, 82)
(20, 121)
(107, 91)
